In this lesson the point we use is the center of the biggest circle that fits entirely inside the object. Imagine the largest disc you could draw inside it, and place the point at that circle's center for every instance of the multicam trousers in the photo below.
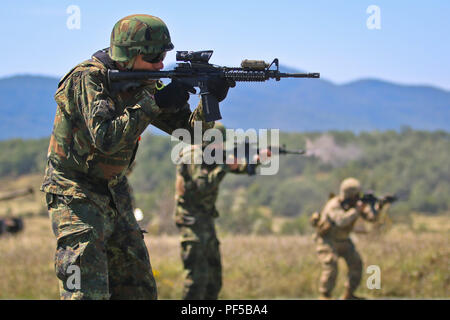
(107, 247)
(329, 251)
(200, 254)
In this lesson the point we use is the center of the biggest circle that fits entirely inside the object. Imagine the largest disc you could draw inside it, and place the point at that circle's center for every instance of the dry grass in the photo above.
(414, 260)
(32, 204)
(414, 265)
(26, 263)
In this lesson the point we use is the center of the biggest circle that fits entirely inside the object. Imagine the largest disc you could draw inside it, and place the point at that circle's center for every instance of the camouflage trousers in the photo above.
(200, 254)
(104, 245)
(329, 251)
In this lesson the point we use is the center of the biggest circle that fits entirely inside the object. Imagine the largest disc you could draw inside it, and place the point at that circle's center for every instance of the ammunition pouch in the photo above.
(322, 225)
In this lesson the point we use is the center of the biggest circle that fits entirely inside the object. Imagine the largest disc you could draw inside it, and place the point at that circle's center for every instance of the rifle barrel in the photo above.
(297, 152)
(299, 75)
(115, 75)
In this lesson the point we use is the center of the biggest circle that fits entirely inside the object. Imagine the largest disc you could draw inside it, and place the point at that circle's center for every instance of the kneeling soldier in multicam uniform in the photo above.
(197, 188)
(94, 141)
(334, 225)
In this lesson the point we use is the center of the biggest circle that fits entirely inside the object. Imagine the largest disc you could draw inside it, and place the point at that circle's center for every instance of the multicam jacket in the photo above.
(96, 133)
(197, 188)
(343, 219)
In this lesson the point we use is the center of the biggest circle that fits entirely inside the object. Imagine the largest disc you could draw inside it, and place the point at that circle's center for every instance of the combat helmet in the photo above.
(350, 188)
(139, 34)
(219, 126)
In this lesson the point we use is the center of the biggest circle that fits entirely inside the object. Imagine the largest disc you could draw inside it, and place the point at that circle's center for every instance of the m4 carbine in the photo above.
(251, 167)
(371, 199)
(194, 69)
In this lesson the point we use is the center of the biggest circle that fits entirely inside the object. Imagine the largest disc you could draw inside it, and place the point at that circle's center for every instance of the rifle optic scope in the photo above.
(194, 56)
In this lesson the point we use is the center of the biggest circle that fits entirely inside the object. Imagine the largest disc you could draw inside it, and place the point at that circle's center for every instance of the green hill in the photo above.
(28, 108)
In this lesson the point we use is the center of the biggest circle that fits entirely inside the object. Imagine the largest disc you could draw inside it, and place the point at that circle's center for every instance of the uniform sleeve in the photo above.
(369, 213)
(242, 167)
(183, 118)
(211, 179)
(343, 218)
(111, 133)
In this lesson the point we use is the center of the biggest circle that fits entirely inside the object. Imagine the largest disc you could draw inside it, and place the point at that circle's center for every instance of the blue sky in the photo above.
(331, 37)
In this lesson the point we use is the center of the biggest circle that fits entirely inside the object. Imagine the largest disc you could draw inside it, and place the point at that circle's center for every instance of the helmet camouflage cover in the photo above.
(219, 126)
(350, 188)
(139, 34)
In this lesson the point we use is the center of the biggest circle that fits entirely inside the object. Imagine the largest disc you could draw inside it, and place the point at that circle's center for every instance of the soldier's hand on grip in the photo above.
(174, 96)
(219, 87)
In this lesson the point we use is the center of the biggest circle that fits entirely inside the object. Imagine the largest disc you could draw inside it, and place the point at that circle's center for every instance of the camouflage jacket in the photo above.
(96, 133)
(343, 219)
(197, 188)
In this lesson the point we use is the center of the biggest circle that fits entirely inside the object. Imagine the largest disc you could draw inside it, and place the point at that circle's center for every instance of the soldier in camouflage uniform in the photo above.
(334, 225)
(196, 191)
(94, 141)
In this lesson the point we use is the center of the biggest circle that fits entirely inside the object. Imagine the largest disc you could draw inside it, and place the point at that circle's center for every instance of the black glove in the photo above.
(174, 95)
(219, 87)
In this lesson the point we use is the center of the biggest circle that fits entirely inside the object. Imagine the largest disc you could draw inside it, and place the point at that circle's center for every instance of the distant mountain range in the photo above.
(27, 106)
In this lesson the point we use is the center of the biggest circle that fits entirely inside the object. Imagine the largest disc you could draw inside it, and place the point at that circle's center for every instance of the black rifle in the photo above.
(371, 199)
(283, 150)
(196, 70)
(251, 167)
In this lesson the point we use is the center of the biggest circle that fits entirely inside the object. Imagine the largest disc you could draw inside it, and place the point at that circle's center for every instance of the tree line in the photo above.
(412, 164)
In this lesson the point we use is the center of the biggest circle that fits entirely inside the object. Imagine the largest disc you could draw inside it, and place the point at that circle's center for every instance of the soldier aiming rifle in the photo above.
(333, 227)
